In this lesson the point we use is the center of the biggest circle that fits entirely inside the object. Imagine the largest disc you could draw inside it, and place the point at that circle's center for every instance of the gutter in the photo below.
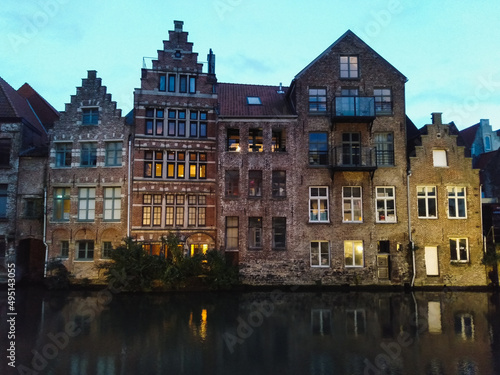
(44, 237)
(410, 238)
(129, 201)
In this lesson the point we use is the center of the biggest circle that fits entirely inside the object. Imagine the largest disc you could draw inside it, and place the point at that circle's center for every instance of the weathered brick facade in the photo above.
(445, 206)
(174, 188)
(87, 181)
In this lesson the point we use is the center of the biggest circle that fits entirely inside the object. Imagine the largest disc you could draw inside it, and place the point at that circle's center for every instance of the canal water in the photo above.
(282, 331)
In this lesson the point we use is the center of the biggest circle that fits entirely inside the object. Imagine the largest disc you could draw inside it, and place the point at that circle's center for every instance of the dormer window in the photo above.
(90, 116)
(254, 100)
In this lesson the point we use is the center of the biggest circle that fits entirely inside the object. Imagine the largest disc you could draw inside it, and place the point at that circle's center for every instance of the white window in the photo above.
(457, 207)
(86, 204)
(112, 204)
(459, 249)
(353, 253)
(426, 200)
(431, 261)
(386, 204)
(439, 158)
(318, 204)
(320, 254)
(351, 207)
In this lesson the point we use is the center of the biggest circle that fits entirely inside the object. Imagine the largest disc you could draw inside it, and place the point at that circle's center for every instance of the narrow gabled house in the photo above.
(174, 176)
(445, 211)
(88, 180)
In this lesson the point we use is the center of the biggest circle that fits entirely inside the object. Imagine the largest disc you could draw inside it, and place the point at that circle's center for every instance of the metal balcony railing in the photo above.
(354, 106)
(353, 158)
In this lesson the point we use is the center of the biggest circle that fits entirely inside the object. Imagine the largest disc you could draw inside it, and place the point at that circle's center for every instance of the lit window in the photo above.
(232, 235)
(426, 200)
(255, 140)
(253, 100)
(233, 140)
(349, 67)
(320, 254)
(61, 204)
(353, 253)
(459, 250)
(153, 164)
(318, 204)
(457, 207)
(386, 205)
(278, 140)
(352, 205)
(151, 209)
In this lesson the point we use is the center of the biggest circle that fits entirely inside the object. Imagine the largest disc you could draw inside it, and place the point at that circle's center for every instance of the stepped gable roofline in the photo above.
(233, 101)
(45, 111)
(349, 34)
(469, 134)
(15, 107)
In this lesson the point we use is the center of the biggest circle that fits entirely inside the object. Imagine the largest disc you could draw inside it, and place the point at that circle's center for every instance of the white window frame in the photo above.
(385, 199)
(318, 199)
(350, 248)
(439, 158)
(86, 203)
(459, 200)
(320, 258)
(457, 240)
(112, 203)
(426, 196)
(351, 201)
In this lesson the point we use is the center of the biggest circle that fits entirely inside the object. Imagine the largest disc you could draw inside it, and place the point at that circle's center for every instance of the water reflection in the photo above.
(257, 333)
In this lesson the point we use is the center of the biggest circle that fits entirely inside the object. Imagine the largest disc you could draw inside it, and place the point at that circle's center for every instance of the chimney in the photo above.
(91, 74)
(484, 122)
(211, 62)
(436, 118)
(178, 26)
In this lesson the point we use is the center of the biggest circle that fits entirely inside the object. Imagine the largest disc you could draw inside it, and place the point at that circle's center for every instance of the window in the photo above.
(5, 146)
(464, 327)
(85, 250)
(155, 121)
(383, 246)
(386, 204)
(459, 250)
(383, 101)
(355, 322)
(253, 100)
(353, 253)
(197, 165)
(151, 210)
(3, 201)
(182, 83)
(255, 140)
(426, 200)
(88, 155)
(232, 233)
(90, 116)
(279, 184)
(487, 143)
(153, 164)
(162, 86)
(64, 246)
(86, 204)
(232, 183)
(233, 139)
(349, 67)
(352, 205)
(33, 208)
(61, 204)
(317, 100)
(113, 154)
(279, 233)
(255, 183)
(321, 322)
(175, 210)
(171, 83)
(320, 254)
(351, 149)
(198, 124)
(278, 140)
(384, 146)
(176, 164)
(112, 204)
(176, 123)
(439, 158)
(255, 232)
(456, 202)
(318, 204)
(63, 155)
(192, 85)
(196, 210)
(318, 149)
(107, 247)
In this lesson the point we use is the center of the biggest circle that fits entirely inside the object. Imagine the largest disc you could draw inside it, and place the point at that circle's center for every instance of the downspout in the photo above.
(410, 238)
(44, 237)
(129, 200)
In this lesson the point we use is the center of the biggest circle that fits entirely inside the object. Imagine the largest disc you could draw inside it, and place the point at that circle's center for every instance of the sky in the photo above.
(448, 49)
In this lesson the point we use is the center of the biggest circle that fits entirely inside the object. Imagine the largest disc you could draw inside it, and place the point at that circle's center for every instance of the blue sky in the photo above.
(448, 49)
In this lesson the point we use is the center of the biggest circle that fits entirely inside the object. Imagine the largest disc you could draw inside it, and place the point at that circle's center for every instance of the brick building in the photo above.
(174, 175)
(87, 180)
(445, 210)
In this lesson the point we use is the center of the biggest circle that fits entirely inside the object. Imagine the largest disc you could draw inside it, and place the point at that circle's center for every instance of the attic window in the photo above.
(254, 100)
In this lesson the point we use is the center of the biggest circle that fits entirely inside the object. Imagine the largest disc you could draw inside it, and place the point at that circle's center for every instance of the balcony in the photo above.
(354, 109)
(353, 158)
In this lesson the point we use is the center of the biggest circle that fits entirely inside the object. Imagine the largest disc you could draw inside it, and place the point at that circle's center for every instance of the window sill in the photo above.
(352, 222)
(313, 266)
(279, 248)
(84, 260)
(459, 262)
(430, 218)
(386, 222)
(457, 218)
(319, 222)
(255, 249)
(354, 267)
(318, 166)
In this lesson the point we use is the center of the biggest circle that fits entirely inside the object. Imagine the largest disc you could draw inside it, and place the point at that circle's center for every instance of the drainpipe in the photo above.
(44, 238)
(129, 200)
(410, 238)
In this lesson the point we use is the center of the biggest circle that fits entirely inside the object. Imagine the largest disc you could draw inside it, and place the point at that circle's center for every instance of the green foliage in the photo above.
(58, 276)
(491, 257)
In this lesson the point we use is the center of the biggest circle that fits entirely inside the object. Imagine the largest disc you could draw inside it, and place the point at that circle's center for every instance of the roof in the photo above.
(44, 110)
(469, 134)
(15, 107)
(233, 101)
(484, 159)
(347, 34)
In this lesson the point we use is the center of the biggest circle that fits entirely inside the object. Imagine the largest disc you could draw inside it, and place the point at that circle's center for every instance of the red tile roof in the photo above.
(233, 101)
(44, 110)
